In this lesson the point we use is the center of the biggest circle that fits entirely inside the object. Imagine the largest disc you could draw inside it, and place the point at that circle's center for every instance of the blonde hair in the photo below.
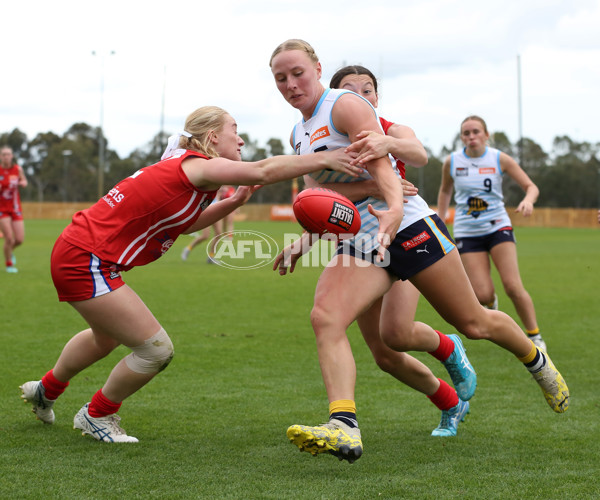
(200, 124)
(295, 44)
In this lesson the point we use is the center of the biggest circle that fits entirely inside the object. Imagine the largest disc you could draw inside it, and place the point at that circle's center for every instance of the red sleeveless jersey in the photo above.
(9, 189)
(140, 218)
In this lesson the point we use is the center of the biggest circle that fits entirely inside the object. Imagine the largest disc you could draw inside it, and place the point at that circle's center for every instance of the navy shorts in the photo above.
(487, 242)
(415, 248)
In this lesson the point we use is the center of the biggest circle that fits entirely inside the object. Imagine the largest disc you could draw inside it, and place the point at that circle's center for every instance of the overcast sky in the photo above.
(437, 61)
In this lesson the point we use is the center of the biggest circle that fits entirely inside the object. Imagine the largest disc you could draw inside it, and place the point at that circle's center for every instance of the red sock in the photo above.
(445, 397)
(101, 406)
(53, 386)
(446, 347)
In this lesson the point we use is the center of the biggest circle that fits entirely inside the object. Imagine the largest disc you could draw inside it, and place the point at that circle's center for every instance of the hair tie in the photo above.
(173, 144)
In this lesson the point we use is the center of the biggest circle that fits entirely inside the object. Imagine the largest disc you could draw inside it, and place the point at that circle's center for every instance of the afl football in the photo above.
(321, 211)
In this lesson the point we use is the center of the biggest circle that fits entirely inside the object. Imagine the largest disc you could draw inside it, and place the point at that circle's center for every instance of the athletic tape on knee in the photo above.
(153, 355)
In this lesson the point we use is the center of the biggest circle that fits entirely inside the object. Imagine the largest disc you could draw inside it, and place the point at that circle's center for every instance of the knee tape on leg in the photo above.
(153, 355)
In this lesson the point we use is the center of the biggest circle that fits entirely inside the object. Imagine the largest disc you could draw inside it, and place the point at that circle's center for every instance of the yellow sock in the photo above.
(346, 405)
(535, 331)
(531, 356)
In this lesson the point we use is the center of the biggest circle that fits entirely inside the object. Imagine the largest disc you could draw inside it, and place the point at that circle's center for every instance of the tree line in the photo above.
(65, 168)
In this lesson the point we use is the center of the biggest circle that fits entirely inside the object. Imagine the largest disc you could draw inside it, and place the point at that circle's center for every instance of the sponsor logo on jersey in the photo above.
(487, 170)
(462, 171)
(319, 134)
(207, 201)
(476, 206)
(416, 241)
(297, 148)
(341, 215)
(113, 196)
(114, 272)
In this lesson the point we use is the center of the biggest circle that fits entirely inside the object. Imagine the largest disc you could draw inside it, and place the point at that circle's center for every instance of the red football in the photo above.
(320, 210)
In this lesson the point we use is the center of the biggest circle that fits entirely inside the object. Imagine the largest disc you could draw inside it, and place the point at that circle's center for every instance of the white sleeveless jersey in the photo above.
(478, 194)
(319, 134)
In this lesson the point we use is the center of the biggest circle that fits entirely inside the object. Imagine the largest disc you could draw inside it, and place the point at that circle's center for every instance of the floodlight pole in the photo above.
(101, 145)
(162, 109)
(520, 111)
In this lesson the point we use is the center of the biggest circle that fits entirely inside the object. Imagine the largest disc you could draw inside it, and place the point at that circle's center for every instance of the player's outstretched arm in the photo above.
(359, 190)
(219, 171)
(400, 141)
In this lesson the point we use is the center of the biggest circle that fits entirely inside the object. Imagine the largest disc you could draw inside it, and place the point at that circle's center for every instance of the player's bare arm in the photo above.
(445, 192)
(352, 115)
(359, 190)
(213, 173)
(514, 171)
(400, 141)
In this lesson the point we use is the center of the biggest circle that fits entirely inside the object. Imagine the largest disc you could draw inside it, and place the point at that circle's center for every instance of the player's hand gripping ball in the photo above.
(320, 210)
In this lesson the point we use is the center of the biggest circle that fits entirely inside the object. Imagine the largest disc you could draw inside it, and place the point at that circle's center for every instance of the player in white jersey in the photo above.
(350, 283)
(482, 227)
(416, 336)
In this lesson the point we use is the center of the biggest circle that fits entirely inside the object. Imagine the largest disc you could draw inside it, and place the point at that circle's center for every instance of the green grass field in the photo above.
(213, 424)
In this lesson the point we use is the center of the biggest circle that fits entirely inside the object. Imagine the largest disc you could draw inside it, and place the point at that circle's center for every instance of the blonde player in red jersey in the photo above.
(135, 223)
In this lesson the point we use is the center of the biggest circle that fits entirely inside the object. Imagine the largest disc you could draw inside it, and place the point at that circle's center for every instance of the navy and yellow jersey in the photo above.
(478, 194)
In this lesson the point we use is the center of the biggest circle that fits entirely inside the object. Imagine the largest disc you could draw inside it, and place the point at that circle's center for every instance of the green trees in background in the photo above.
(65, 168)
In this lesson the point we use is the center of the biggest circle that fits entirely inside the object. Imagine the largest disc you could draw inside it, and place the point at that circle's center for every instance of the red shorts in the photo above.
(12, 214)
(80, 275)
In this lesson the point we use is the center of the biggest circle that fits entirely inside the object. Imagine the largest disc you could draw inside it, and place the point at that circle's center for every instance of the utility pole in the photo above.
(163, 143)
(101, 145)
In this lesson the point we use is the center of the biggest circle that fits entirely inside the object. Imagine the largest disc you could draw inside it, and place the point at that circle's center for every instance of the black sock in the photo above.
(537, 363)
(347, 417)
